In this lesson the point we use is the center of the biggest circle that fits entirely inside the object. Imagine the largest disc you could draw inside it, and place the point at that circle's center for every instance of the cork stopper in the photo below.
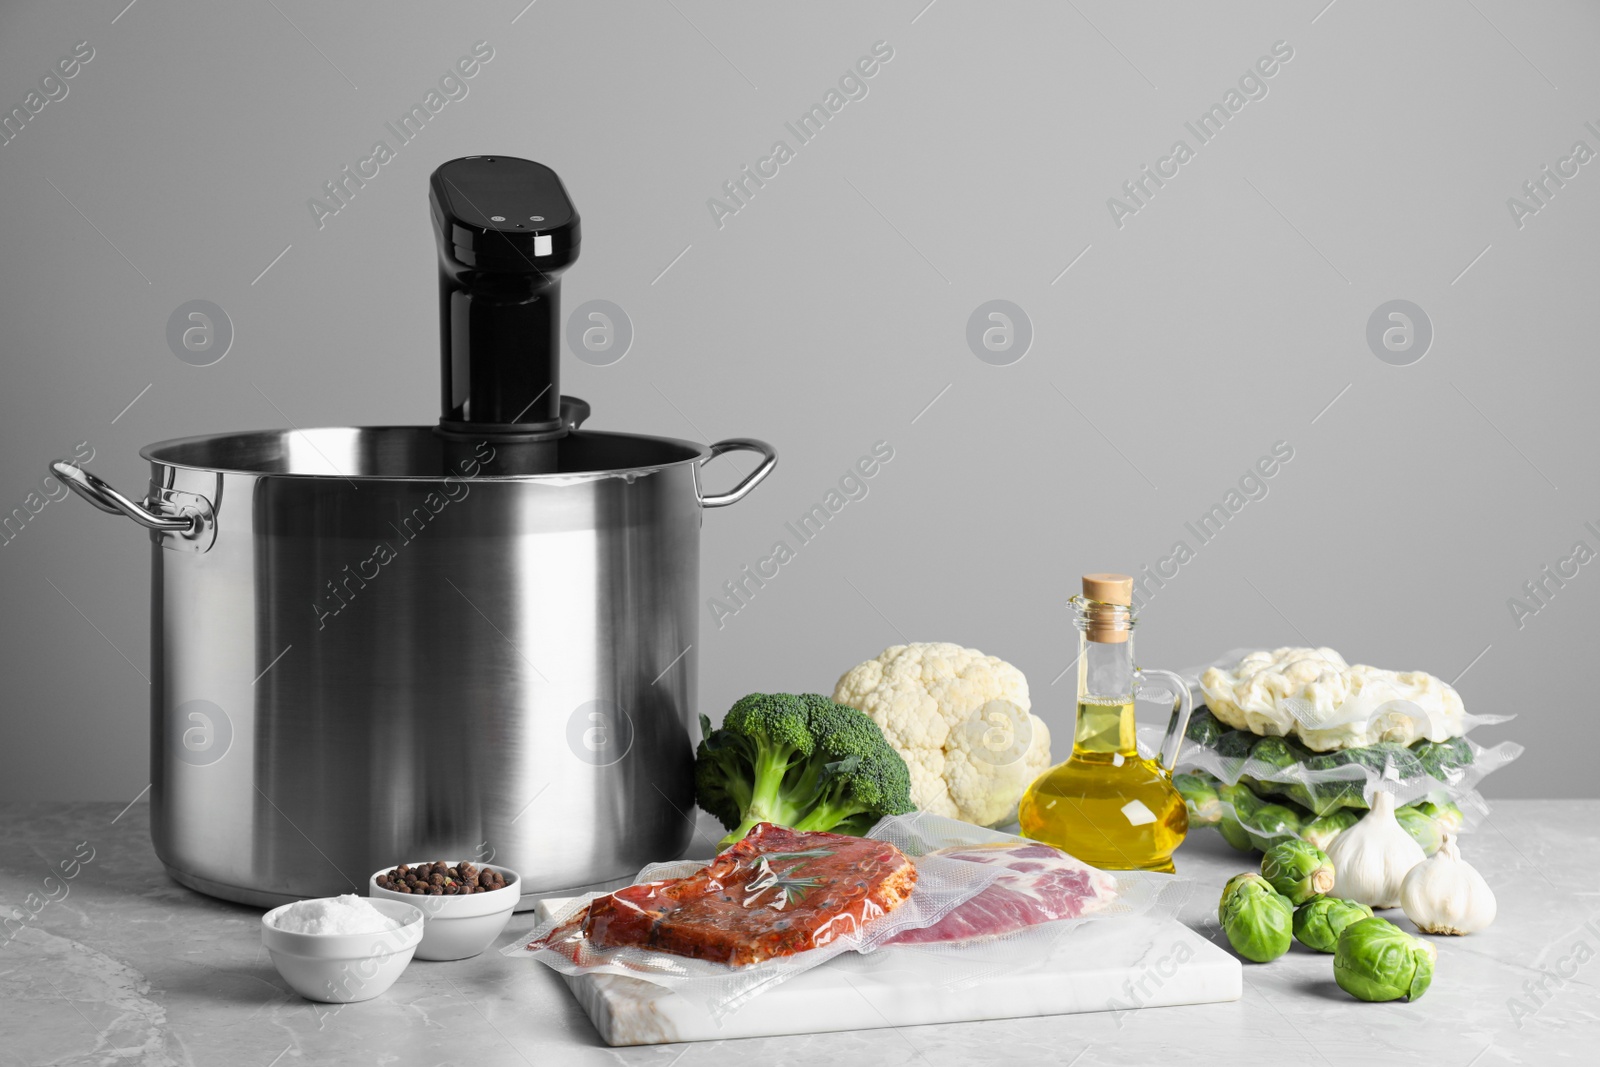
(1108, 615)
(1109, 588)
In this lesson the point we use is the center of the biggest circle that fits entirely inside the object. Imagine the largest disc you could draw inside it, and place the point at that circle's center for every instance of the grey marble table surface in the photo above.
(130, 968)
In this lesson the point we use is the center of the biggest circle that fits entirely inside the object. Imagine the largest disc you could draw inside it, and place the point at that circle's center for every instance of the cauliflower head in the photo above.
(961, 721)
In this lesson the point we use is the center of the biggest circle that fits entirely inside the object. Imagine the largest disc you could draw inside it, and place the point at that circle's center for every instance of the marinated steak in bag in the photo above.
(1039, 884)
(775, 893)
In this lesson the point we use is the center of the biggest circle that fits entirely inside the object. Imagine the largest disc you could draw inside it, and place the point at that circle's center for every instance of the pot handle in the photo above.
(753, 479)
(109, 500)
(574, 412)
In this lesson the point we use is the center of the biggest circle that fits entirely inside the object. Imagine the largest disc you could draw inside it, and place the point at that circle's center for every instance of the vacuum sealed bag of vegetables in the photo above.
(776, 903)
(1250, 822)
(1292, 741)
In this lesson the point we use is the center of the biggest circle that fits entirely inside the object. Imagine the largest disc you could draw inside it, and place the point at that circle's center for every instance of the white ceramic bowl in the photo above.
(344, 968)
(459, 926)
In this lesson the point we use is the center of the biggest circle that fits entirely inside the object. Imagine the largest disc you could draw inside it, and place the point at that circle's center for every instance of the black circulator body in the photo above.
(506, 230)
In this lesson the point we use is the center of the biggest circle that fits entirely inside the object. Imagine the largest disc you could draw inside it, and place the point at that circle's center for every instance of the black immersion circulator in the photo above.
(506, 229)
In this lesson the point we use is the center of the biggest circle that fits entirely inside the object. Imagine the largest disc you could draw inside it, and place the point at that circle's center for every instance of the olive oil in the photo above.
(1106, 805)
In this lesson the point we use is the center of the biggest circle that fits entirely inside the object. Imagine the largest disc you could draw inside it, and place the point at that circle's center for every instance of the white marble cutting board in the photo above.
(1108, 965)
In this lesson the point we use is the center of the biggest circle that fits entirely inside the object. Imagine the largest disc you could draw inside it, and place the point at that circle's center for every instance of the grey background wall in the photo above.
(1227, 313)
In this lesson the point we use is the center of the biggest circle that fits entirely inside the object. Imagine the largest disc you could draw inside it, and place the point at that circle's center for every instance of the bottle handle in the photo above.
(1182, 706)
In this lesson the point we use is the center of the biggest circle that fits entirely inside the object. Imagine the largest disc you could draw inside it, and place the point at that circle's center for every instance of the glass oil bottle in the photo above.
(1108, 805)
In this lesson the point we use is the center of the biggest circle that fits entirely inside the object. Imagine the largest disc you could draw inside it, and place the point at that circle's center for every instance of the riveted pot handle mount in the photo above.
(192, 524)
(754, 478)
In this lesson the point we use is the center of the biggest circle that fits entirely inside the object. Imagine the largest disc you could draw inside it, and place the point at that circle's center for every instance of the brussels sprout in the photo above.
(1445, 815)
(1298, 870)
(1230, 887)
(1258, 922)
(1376, 960)
(1442, 758)
(1318, 923)
(1321, 832)
(1233, 833)
(1270, 823)
(1423, 830)
(1204, 729)
(1235, 744)
(1243, 801)
(1199, 791)
(1335, 794)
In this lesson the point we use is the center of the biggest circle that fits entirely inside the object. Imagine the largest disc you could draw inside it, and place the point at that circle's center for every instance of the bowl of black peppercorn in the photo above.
(465, 905)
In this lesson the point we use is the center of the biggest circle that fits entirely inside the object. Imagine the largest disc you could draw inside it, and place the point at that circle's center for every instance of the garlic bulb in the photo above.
(1446, 895)
(1372, 858)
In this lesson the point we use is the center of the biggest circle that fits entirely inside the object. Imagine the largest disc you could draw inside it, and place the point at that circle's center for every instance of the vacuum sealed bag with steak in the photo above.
(1026, 914)
(775, 893)
(773, 905)
(1037, 884)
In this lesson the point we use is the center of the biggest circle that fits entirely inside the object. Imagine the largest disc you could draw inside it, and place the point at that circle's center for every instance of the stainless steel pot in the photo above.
(366, 648)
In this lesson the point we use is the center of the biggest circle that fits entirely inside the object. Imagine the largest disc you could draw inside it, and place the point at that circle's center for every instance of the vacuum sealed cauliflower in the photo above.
(961, 721)
(1313, 695)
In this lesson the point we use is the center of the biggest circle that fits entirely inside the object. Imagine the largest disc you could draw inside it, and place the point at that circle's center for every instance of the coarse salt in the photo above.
(345, 914)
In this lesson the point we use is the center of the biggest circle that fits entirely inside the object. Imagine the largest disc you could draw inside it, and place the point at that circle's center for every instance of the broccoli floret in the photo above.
(1441, 758)
(800, 761)
(1204, 729)
(1234, 744)
(1274, 759)
(862, 778)
(720, 784)
(1377, 757)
